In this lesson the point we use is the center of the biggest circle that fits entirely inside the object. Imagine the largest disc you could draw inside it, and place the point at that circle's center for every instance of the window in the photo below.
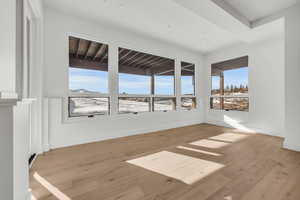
(134, 84)
(164, 104)
(146, 82)
(145, 79)
(229, 86)
(164, 80)
(88, 81)
(87, 106)
(88, 78)
(215, 103)
(188, 103)
(188, 99)
(134, 104)
(215, 84)
(236, 103)
(187, 79)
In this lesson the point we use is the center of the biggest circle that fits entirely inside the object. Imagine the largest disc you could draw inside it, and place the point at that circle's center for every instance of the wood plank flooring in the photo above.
(256, 168)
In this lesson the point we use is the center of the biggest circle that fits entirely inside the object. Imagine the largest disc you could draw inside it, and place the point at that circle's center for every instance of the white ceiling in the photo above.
(167, 20)
(257, 9)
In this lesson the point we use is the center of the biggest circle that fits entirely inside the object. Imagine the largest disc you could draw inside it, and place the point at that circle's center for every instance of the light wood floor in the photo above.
(256, 168)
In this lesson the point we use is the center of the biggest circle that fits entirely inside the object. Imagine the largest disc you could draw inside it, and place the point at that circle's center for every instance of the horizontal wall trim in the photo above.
(8, 95)
(8, 98)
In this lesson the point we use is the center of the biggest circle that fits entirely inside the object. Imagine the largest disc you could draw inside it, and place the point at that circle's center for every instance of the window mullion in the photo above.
(152, 85)
(113, 78)
(178, 83)
(222, 90)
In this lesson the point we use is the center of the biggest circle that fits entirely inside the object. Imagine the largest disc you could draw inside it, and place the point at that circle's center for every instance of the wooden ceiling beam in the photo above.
(87, 50)
(79, 43)
(138, 59)
(189, 65)
(121, 51)
(96, 65)
(100, 51)
(165, 72)
(143, 61)
(87, 64)
(232, 64)
(159, 64)
(130, 58)
(188, 70)
(124, 56)
(131, 70)
(185, 68)
(171, 70)
(150, 61)
(105, 56)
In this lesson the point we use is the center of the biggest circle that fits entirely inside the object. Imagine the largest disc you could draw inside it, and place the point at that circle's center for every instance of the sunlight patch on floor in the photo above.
(199, 151)
(55, 191)
(181, 167)
(229, 137)
(209, 144)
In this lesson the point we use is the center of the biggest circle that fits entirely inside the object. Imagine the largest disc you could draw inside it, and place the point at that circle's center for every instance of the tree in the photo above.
(235, 89)
(241, 88)
(231, 88)
(227, 88)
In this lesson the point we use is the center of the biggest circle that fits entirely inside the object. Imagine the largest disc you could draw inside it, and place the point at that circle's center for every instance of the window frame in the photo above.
(87, 94)
(152, 94)
(113, 85)
(222, 97)
(194, 95)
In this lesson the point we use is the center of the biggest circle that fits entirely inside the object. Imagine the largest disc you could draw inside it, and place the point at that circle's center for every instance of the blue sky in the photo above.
(187, 85)
(92, 80)
(97, 81)
(232, 77)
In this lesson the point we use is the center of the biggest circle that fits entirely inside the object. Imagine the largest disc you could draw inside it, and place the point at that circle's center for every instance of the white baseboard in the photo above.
(290, 146)
(46, 147)
(252, 128)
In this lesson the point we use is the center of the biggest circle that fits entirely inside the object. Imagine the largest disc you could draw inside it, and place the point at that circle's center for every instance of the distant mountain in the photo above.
(84, 91)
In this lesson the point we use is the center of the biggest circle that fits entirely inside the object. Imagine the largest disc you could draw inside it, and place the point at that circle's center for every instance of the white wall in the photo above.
(13, 181)
(33, 11)
(14, 149)
(266, 87)
(292, 95)
(7, 47)
(6, 151)
(57, 28)
(21, 141)
(90, 130)
(14, 114)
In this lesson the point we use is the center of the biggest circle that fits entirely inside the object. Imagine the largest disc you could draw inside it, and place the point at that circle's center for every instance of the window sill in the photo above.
(226, 111)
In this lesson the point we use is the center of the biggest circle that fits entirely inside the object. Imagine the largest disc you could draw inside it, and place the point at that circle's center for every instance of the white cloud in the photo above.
(134, 84)
(76, 79)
